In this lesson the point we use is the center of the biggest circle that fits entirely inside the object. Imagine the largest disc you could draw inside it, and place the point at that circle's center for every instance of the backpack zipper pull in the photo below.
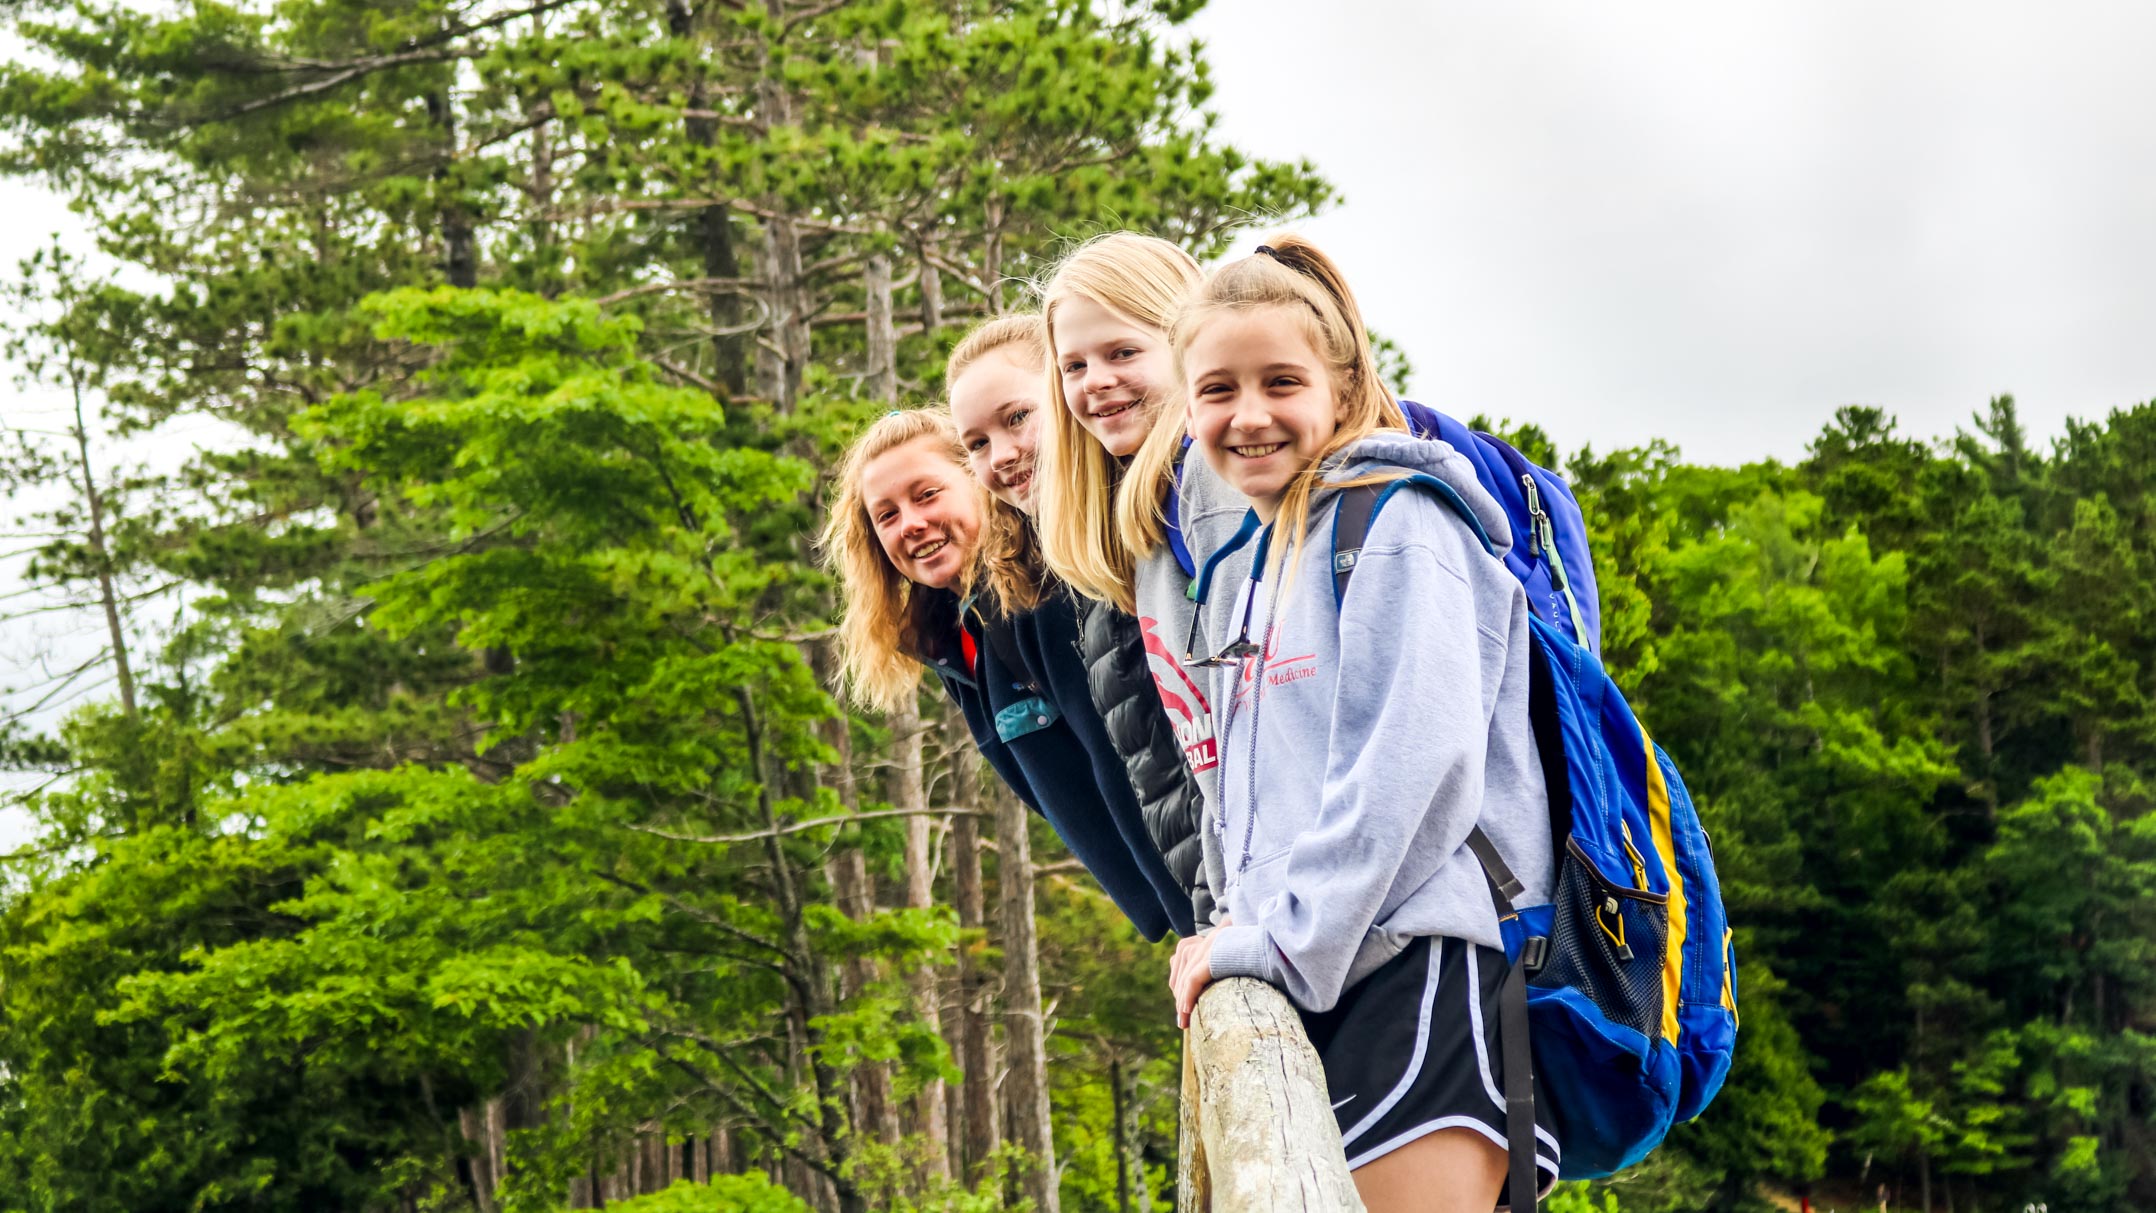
(1542, 533)
(1537, 519)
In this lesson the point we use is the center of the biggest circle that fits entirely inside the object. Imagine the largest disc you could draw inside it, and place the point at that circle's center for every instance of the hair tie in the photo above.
(1294, 266)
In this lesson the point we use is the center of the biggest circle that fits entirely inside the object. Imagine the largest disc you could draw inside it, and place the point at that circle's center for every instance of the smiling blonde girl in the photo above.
(906, 534)
(1364, 736)
(995, 379)
(1105, 312)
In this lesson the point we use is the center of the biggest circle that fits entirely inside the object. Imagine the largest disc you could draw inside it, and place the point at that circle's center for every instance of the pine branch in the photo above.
(59, 684)
(431, 49)
(713, 386)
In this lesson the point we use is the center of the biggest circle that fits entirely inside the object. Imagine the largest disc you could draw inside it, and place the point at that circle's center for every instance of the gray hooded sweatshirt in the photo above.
(1209, 514)
(1369, 738)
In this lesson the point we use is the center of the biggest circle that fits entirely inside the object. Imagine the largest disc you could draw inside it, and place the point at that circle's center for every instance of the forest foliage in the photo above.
(450, 838)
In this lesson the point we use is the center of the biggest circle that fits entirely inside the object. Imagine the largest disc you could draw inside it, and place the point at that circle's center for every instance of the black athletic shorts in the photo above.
(1412, 1049)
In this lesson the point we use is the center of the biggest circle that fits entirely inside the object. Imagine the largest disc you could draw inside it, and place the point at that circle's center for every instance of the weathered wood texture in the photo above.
(1258, 1130)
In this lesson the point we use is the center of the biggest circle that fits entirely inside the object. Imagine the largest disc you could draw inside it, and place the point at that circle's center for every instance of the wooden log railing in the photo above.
(1257, 1126)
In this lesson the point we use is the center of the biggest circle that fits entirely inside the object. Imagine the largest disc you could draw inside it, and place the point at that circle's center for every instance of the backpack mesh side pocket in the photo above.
(1608, 942)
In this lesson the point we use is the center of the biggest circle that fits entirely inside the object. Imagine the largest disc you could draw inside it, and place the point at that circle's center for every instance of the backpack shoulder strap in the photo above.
(1351, 525)
(1172, 516)
(1358, 510)
(1512, 1032)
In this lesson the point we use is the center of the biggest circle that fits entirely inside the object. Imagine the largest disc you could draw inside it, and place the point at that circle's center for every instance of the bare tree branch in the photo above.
(812, 824)
(326, 83)
(680, 284)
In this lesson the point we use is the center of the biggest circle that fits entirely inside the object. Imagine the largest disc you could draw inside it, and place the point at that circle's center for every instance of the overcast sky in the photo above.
(1715, 223)
(1710, 223)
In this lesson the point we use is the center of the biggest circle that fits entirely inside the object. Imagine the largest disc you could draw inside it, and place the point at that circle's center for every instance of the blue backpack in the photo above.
(1626, 983)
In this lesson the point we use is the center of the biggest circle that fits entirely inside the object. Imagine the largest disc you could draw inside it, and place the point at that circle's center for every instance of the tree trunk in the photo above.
(460, 254)
(1119, 1132)
(847, 870)
(1984, 745)
(522, 1103)
(978, 1088)
(931, 295)
(95, 502)
(992, 256)
(479, 1170)
(787, 351)
(497, 1127)
(541, 189)
(874, 1114)
(882, 368)
(809, 990)
(785, 355)
(724, 1160)
(1131, 1131)
(715, 227)
(909, 791)
(713, 231)
(1027, 1079)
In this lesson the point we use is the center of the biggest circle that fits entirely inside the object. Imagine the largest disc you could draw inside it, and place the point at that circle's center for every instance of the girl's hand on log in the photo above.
(1189, 973)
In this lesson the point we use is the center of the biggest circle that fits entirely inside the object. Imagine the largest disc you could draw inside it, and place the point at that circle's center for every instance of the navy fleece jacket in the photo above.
(1038, 728)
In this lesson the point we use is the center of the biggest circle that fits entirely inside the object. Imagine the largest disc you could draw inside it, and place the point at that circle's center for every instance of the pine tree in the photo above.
(540, 319)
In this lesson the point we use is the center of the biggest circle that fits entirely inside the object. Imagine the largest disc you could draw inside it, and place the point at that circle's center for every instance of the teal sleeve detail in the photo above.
(1026, 716)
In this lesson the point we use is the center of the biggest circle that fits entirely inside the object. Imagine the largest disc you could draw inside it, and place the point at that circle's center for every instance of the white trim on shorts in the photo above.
(1422, 1044)
(1482, 1055)
(1544, 1164)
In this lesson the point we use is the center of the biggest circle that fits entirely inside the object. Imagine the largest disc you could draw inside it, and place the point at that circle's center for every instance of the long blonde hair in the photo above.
(1010, 553)
(880, 626)
(1143, 278)
(1290, 273)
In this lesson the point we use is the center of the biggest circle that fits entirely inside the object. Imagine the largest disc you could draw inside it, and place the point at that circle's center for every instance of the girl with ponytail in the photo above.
(1367, 728)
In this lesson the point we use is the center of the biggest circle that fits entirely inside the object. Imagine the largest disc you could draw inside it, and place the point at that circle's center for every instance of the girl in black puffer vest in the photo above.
(1105, 311)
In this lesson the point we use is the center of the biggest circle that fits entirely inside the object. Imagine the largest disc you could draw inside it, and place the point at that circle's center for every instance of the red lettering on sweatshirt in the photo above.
(1188, 713)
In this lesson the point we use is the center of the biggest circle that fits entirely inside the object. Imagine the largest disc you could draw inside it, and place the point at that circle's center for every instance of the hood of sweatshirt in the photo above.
(1433, 457)
(1380, 453)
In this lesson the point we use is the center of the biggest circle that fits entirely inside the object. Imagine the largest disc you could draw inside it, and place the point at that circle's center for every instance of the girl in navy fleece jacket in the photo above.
(906, 536)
